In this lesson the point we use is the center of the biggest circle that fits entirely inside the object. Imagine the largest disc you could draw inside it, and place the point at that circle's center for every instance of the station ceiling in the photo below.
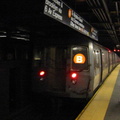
(104, 15)
(19, 18)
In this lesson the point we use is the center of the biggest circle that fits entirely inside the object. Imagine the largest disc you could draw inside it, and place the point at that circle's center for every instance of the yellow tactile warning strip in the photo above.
(97, 107)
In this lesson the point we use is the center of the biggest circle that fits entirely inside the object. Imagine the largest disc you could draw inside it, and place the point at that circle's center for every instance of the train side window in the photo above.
(96, 61)
(105, 59)
(96, 58)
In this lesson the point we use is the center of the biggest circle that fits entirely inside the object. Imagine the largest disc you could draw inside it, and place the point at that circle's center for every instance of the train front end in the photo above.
(61, 71)
(78, 78)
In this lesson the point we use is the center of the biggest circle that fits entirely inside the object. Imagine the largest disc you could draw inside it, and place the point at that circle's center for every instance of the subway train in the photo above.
(71, 70)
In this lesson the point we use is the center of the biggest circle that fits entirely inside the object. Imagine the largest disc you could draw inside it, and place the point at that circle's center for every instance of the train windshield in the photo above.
(52, 57)
(79, 58)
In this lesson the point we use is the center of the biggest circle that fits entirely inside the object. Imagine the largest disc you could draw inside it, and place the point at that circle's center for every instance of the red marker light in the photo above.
(42, 73)
(74, 75)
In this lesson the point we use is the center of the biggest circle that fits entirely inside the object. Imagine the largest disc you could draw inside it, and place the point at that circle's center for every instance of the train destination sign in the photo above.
(59, 11)
(79, 59)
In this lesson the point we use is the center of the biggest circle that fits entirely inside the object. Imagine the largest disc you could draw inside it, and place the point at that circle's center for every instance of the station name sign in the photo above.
(59, 11)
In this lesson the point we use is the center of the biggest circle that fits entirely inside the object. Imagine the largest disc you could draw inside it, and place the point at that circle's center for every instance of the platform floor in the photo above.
(105, 104)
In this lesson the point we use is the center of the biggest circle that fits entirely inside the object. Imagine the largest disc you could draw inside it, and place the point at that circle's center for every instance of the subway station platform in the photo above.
(105, 104)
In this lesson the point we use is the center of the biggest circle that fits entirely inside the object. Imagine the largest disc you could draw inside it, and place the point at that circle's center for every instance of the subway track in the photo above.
(47, 108)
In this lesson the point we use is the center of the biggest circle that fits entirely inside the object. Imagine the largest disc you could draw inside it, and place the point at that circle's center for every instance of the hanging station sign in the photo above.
(59, 11)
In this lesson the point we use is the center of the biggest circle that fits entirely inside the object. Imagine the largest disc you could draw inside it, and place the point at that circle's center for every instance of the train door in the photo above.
(57, 70)
(97, 68)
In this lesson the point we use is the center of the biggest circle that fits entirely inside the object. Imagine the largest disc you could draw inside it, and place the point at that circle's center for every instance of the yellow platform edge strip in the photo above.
(97, 106)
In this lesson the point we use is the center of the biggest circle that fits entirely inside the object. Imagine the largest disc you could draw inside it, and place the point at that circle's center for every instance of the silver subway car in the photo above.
(74, 71)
